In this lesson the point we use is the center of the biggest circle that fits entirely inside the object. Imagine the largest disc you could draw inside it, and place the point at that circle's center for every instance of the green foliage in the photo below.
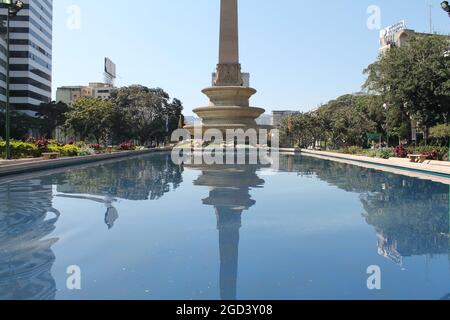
(68, 150)
(384, 153)
(21, 149)
(414, 80)
(181, 122)
(441, 152)
(144, 114)
(340, 123)
(354, 150)
(91, 118)
(50, 116)
(440, 131)
(85, 150)
(21, 125)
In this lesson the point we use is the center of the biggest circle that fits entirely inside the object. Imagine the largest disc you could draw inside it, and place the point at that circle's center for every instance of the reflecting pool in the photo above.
(145, 228)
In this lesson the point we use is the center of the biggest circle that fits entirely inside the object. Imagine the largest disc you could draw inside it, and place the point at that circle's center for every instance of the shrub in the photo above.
(384, 153)
(431, 155)
(21, 149)
(85, 151)
(53, 148)
(400, 152)
(96, 147)
(353, 150)
(127, 146)
(42, 144)
(432, 152)
(69, 150)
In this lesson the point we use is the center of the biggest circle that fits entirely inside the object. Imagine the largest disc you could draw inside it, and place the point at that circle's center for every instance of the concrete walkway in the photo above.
(433, 170)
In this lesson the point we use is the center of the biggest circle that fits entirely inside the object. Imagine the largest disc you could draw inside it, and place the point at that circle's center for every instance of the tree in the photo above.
(343, 122)
(144, 113)
(91, 118)
(22, 125)
(51, 116)
(414, 79)
(181, 122)
(441, 132)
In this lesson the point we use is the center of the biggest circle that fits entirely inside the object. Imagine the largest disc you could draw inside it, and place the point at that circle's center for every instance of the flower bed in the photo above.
(35, 148)
(431, 152)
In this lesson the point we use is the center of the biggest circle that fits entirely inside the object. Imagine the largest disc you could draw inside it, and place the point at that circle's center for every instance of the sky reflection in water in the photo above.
(144, 228)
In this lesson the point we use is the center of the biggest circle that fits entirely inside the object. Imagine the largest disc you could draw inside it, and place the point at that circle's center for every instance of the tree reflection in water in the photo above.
(27, 217)
(141, 179)
(411, 216)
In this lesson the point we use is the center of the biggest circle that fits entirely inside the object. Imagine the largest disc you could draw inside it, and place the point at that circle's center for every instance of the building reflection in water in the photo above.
(229, 194)
(27, 219)
(141, 179)
(27, 216)
(411, 216)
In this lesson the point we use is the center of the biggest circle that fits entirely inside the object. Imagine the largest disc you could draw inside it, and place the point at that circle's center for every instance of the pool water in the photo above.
(145, 228)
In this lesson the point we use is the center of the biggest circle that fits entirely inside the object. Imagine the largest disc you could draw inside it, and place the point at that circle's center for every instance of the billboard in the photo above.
(389, 33)
(110, 68)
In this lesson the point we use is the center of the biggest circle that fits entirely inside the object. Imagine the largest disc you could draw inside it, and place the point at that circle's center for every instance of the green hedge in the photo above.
(21, 149)
(386, 153)
(68, 150)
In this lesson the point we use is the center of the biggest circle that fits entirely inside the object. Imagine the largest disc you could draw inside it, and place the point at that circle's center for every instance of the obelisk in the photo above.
(229, 68)
(229, 100)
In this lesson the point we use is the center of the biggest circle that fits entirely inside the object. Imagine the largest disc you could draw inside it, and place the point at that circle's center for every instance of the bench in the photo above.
(417, 158)
(50, 156)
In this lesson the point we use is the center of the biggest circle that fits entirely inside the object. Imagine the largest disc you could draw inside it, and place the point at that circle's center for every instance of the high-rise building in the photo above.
(30, 56)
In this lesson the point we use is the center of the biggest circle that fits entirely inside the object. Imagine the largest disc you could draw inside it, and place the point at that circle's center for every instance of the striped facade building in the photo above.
(30, 56)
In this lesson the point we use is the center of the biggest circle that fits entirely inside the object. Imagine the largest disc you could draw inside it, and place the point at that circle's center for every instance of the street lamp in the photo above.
(446, 7)
(13, 9)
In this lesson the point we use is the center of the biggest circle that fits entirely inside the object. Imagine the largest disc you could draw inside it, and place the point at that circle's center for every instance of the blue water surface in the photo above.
(145, 228)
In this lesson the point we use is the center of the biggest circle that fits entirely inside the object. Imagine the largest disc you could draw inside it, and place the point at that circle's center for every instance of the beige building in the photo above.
(68, 94)
(398, 35)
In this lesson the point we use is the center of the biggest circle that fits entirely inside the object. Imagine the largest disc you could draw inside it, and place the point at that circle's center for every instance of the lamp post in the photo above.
(13, 8)
(446, 7)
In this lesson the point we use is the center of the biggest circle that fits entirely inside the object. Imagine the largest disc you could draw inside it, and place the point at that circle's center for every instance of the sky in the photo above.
(299, 53)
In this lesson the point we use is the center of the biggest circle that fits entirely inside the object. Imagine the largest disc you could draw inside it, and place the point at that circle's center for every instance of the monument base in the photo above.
(228, 110)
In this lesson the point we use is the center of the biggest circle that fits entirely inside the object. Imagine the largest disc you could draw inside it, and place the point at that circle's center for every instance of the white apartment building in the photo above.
(30, 56)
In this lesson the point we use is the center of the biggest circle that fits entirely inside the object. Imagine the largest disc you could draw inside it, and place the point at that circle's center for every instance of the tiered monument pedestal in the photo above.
(229, 109)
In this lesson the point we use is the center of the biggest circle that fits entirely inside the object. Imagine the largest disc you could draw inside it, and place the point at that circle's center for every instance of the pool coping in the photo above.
(433, 170)
(29, 166)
